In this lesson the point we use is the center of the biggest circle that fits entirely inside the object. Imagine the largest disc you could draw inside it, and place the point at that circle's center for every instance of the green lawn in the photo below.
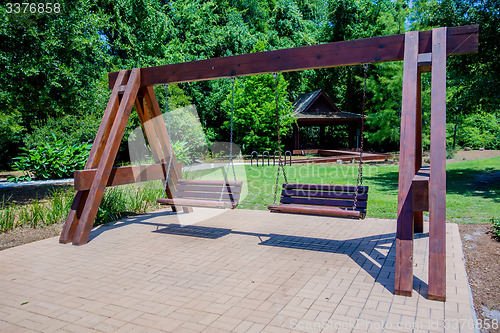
(473, 187)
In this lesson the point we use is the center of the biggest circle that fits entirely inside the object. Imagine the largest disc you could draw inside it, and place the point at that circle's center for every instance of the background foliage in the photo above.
(54, 66)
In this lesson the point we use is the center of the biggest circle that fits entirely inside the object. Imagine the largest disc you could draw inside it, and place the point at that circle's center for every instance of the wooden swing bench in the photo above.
(204, 193)
(326, 200)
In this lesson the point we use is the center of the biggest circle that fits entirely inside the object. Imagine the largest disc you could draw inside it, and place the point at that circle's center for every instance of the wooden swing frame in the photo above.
(420, 188)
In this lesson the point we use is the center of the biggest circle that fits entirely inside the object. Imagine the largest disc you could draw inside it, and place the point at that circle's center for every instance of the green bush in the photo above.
(122, 201)
(74, 130)
(10, 137)
(182, 152)
(496, 226)
(186, 131)
(53, 160)
(450, 153)
(480, 130)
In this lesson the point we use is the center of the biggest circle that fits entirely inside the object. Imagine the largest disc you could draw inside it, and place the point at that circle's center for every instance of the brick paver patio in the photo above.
(241, 271)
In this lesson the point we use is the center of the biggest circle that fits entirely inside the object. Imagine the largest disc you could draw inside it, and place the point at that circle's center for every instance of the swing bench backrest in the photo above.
(332, 200)
(205, 193)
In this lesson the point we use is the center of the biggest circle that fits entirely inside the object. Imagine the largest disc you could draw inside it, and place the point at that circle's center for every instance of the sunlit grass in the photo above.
(473, 187)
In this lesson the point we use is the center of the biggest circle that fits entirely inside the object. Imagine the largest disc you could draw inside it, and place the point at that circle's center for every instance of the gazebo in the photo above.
(317, 109)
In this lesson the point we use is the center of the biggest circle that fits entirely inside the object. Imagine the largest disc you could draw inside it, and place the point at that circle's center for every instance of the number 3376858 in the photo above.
(40, 8)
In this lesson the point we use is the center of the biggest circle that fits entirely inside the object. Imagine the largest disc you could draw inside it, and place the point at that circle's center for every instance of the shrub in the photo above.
(480, 130)
(182, 152)
(113, 206)
(186, 130)
(496, 226)
(33, 215)
(122, 201)
(74, 129)
(10, 137)
(53, 160)
(450, 153)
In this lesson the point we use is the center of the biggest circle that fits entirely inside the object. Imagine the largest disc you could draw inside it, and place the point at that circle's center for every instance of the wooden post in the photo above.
(418, 217)
(110, 150)
(403, 283)
(437, 180)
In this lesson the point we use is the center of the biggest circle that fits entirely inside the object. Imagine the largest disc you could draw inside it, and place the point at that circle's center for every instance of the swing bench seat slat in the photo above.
(319, 199)
(198, 203)
(205, 193)
(323, 194)
(318, 210)
(322, 202)
(219, 183)
(325, 187)
(202, 188)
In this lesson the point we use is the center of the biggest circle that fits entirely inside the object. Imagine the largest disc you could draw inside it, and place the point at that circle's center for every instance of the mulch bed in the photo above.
(27, 235)
(482, 260)
(27, 194)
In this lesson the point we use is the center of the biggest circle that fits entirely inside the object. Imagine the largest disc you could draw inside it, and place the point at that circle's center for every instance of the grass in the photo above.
(473, 187)
(36, 214)
(122, 201)
(262, 180)
(473, 193)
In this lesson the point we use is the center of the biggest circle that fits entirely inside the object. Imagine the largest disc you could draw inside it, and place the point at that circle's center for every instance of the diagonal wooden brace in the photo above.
(108, 156)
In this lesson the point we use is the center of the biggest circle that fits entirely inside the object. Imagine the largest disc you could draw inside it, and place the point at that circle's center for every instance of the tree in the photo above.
(51, 63)
(255, 126)
(384, 85)
(473, 79)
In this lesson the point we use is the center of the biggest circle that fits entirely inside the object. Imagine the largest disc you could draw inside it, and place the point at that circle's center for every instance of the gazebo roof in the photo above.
(317, 107)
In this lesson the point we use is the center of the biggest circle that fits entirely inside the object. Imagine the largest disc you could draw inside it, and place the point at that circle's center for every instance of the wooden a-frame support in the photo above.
(99, 172)
(421, 188)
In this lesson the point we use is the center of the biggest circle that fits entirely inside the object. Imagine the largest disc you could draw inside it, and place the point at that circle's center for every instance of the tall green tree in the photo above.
(255, 125)
(51, 62)
(473, 79)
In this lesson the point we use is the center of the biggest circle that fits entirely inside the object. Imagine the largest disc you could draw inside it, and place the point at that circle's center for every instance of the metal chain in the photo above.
(171, 149)
(230, 162)
(359, 181)
(280, 163)
(232, 122)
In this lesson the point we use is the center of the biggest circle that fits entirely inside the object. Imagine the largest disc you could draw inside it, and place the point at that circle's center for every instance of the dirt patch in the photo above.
(24, 195)
(28, 235)
(471, 155)
(482, 260)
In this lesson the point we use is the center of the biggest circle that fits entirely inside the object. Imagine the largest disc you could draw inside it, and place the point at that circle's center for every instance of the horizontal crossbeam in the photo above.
(121, 175)
(460, 40)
